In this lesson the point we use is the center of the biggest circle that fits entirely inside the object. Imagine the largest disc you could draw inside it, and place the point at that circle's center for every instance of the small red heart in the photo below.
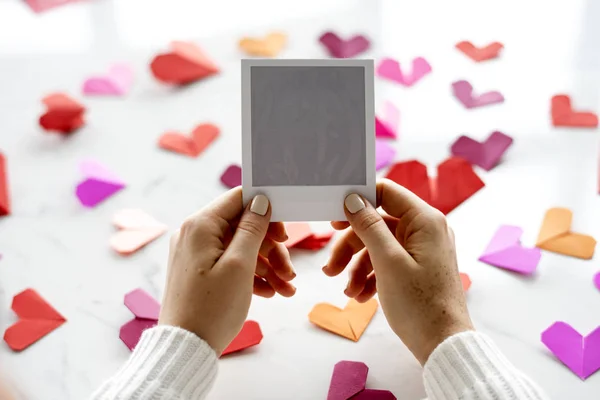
(479, 54)
(63, 114)
(4, 197)
(185, 63)
(563, 114)
(202, 136)
(249, 336)
(37, 318)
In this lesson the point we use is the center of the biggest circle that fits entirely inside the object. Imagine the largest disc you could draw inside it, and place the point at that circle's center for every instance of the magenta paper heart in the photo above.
(486, 154)
(384, 154)
(390, 69)
(348, 382)
(505, 251)
(116, 83)
(581, 354)
(99, 183)
(374, 394)
(146, 311)
(232, 176)
(597, 280)
(463, 91)
(387, 126)
(339, 48)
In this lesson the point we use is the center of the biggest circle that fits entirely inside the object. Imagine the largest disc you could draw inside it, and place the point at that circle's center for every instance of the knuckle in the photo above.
(369, 222)
(237, 262)
(251, 227)
(438, 220)
(189, 226)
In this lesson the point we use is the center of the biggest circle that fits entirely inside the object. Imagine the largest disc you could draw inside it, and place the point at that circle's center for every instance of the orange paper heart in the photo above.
(479, 54)
(465, 280)
(202, 136)
(270, 46)
(350, 322)
(137, 229)
(556, 236)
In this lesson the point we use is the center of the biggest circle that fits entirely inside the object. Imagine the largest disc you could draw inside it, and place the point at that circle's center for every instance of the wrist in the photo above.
(436, 336)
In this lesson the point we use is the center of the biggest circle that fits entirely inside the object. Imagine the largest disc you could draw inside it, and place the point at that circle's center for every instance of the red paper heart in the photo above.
(4, 198)
(455, 183)
(249, 336)
(479, 54)
(63, 113)
(37, 318)
(202, 136)
(185, 63)
(563, 114)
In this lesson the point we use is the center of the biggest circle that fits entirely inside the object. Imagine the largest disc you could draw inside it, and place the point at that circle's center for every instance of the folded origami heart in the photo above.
(463, 91)
(37, 318)
(340, 48)
(137, 229)
(63, 114)
(465, 280)
(301, 236)
(556, 236)
(485, 155)
(349, 322)
(386, 126)
(505, 251)
(269, 46)
(116, 82)
(597, 280)
(45, 5)
(455, 182)
(479, 54)
(249, 336)
(4, 197)
(564, 115)
(232, 176)
(349, 381)
(98, 185)
(580, 353)
(202, 136)
(390, 69)
(184, 63)
(146, 311)
(384, 154)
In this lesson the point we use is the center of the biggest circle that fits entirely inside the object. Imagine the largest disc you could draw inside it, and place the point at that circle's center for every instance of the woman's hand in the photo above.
(408, 256)
(219, 257)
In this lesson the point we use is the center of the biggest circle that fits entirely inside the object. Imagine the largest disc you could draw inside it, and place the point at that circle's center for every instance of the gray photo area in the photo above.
(308, 126)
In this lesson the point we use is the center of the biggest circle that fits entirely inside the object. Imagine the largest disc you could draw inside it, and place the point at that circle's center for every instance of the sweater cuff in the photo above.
(168, 363)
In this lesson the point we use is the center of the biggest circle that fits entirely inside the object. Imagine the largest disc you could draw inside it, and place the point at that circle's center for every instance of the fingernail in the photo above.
(293, 274)
(260, 204)
(354, 203)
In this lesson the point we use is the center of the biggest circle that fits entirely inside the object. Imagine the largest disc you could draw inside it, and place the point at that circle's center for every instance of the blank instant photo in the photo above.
(308, 135)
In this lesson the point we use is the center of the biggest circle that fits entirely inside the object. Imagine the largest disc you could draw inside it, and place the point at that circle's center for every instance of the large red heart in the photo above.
(37, 318)
(202, 136)
(185, 63)
(456, 182)
(563, 114)
(249, 336)
(63, 113)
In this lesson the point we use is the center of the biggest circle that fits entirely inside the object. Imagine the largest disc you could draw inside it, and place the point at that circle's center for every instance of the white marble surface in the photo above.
(54, 245)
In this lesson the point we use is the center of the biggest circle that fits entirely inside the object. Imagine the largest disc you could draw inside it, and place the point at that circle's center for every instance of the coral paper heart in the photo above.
(340, 48)
(505, 251)
(485, 155)
(4, 196)
(456, 182)
(99, 184)
(315, 241)
(563, 114)
(465, 280)
(37, 318)
(184, 63)
(349, 322)
(232, 176)
(556, 236)
(349, 380)
(44, 5)
(269, 46)
(249, 336)
(146, 311)
(580, 353)
(463, 91)
(63, 114)
(390, 69)
(301, 236)
(137, 229)
(386, 126)
(116, 82)
(202, 136)
(479, 54)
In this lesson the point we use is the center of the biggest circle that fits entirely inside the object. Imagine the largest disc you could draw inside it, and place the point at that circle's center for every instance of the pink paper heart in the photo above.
(137, 229)
(116, 82)
(390, 69)
(146, 311)
(99, 183)
(386, 126)
(505, 251)
(384, 154)
(463, 91)
(597, 280)
(339, 48)
(485, 154)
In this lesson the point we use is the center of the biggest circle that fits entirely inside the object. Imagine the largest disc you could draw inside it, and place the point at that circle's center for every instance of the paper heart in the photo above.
(249, 336)
(184, 63)
(387, 126)
(505, 251)
(580, 353)
(374, 394)
(301, 236)
(63, 114)
(465, 280)
(137, 229)
(99, 183)
(349, 322)
(315, 241)
(463, 91)
(597, 280)
(349, 380)
(479, 54)
(45, 5)
(339, 48)
(556, 236)
(232, 177)
(564, 115)
(37, 318)
(384, 154)
(485, 155)
(202, 136)
(455, 182)
(116, 82)
(4, 196)
(390, 69)
(146, 311)
(269, 46)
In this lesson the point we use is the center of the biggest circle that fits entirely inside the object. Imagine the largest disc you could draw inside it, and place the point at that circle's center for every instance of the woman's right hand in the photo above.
(408, 256)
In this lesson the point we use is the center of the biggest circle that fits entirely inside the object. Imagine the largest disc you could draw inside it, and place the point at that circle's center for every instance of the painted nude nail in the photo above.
(354, 203)
(260, 204)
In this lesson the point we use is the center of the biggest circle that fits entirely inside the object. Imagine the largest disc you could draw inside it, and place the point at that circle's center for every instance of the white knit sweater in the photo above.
(172, 363)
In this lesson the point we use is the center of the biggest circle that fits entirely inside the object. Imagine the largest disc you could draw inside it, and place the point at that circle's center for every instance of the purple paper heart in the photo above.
(232, 176)
(339, 48)
(486, 154)
(463, 91)
(100, 183)
(581, 354)
(374, 394)
(505, 251)
(390, 69)
(384, 154)
(597, 280)
(387, 126)
(348, 379)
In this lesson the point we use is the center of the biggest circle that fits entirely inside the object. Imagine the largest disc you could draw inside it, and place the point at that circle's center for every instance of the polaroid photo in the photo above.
(308, 135)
